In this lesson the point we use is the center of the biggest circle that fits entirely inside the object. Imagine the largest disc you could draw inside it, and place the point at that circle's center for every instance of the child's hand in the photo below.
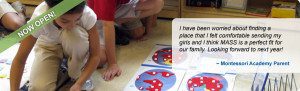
(75, 87)
(111, 71)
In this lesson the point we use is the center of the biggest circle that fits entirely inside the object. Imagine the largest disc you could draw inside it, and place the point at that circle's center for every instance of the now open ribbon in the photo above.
(37, 23)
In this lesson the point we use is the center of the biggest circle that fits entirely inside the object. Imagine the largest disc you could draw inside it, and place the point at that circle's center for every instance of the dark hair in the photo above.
(77, 9)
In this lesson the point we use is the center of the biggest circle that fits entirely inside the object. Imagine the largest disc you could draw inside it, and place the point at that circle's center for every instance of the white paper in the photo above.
(149, 60)
(6, 58)
(170, 83)
(220, 82)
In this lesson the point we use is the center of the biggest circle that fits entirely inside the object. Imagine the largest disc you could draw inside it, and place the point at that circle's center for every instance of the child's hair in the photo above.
(77, 9)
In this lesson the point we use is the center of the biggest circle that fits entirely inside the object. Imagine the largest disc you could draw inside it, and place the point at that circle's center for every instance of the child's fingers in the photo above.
(109, 76)
(119, 73)
(105, 75)
(112, 76)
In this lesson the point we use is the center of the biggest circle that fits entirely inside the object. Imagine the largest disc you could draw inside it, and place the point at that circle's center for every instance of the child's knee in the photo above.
(15, 22)
(75, 41)
(158, 5)
(137, 32)
(42, 86)
(16, 25)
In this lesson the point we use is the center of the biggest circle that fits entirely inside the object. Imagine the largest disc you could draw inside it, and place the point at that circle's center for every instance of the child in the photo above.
(9, 17)
(121, 12)
(72, 35)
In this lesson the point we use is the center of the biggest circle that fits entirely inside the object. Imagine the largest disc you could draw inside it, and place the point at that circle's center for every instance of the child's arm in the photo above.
(12, 21)
(108, 27)
(105, 10)
(93, 61)
(113, 68)
(19, 61)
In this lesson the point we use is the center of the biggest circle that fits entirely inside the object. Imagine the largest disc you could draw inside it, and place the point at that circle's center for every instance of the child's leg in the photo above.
(75, 45)
(130, 15)
(138, 9)
(9, 17)
(135, 28)
(149, 22)
(148, 10)
(43, 76)
(12, 21)
(149, 7)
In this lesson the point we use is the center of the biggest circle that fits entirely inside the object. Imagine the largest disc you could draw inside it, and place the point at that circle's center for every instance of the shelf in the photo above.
(28, 2)
(209, 12)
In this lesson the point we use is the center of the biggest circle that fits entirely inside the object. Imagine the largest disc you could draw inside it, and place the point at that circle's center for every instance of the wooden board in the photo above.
(169, 14)
(28, 2)
(171, 9)
(207, 12)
